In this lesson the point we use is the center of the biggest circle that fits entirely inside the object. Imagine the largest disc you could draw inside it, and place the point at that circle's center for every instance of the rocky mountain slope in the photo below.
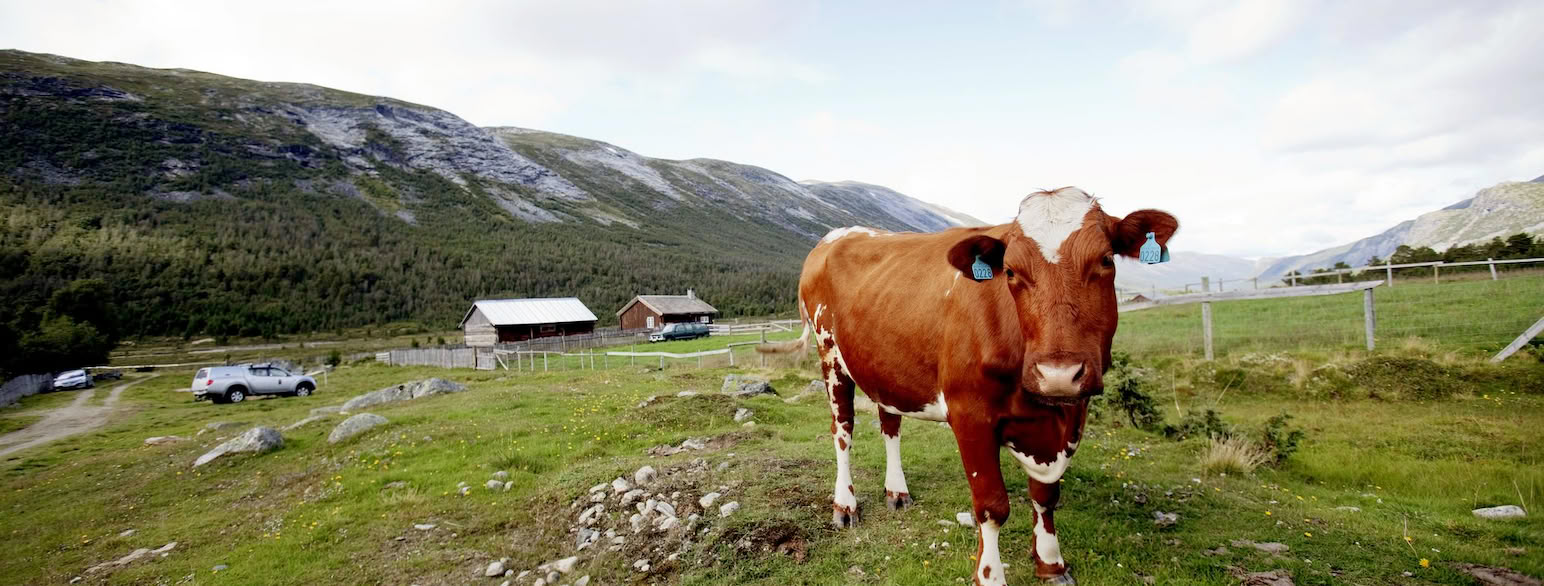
(226, 206)
(1498, 211)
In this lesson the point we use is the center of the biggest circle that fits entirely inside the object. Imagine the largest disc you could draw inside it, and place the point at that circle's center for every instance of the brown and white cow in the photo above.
(1009, 361)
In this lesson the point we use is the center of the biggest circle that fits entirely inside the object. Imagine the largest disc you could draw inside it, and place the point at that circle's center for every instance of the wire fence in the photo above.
(1470, 314)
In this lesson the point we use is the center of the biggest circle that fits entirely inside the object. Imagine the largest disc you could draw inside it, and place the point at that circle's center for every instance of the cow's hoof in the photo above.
(843, 517)
(1065, 579)
(897, 500)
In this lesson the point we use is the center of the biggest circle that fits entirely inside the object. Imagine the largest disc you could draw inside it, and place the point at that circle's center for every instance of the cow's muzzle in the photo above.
(1071, 380)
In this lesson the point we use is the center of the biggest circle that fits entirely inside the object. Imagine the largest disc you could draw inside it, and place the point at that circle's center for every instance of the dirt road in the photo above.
(77, 417)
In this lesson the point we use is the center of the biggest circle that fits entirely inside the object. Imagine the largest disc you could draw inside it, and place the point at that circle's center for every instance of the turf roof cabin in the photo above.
(492, 321)
(654, 311)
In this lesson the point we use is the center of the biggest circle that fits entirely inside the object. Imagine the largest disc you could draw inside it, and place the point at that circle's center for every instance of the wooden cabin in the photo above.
(654, 311)
(492, 321)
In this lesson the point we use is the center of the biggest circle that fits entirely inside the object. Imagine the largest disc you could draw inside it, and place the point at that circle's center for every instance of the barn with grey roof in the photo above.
(493, 321)
(654, 311)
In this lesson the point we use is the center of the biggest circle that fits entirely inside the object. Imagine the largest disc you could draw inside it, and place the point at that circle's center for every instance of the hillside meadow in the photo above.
(1412, 458)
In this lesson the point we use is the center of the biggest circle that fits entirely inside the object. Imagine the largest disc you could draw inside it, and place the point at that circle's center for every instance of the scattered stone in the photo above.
(685, 394)
(598, 488)
(947, 523)
(553, 577)
(648, 401)
(590, 515)
(707, 500)
(218, 426)
(328, 410)
(565, 565)
(1221, 550)
(583, 580)
(165, 548)
(163, 439)
(522, 575)
(424, 526)
(1271, 578)
(728, 509)
(722, 466)
(669, 523)
(620, 485)
(637, 522)
(1272, 547)
(396, 484)
(631, 497)
(1349, 509)
(76, 580)
(645, 476)
(665, 508)
(540, 582)
(742, 414)
(501, 475)
(1501, 512)
(465, 490)
(495, 568)
(855, 570)
(257, 440)
(354, 426)
(126, 533)
(494, 485)
(965, 519)
(686, 445)
(130, 558)
(461, 484)
(749, 424)
(641, 565)
(403, 392)
(221, 568)
(508, 485)
(1494, 576)
(1162, 519)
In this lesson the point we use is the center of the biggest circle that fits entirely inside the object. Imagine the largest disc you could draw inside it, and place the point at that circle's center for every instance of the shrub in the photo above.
(334, 358)
(1199, 424)
(415, 342)
(1279, 441)
(1232, 454)
(1125, 388)
(440, 340)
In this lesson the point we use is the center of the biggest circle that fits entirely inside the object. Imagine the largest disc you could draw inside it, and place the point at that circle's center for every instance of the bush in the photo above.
(440, 340)
(334, 358)
(1199, 424)
(415, 343)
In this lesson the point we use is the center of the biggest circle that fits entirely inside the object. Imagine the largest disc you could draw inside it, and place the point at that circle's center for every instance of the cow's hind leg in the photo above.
(1049, 564)
(896, 495)
(839, 389)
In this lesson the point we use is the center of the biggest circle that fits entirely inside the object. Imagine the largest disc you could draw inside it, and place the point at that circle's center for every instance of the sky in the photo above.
(1268, 127)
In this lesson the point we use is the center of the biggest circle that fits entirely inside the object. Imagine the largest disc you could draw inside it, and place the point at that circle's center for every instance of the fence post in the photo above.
(1388, 265)
(662, 363)
(544, 361)
(1434, 270)
(731, 356)
(1206, 327)
(1369, 316)
(1338, 277)
(1206, 284)
(1492, 262)
(632, 348)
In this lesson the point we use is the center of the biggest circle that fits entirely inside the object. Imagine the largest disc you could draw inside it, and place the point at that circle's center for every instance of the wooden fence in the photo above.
(1388, 269)
(1369, 315)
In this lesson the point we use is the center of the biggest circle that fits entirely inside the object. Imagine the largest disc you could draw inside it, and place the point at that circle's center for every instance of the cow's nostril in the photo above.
(1079, 376)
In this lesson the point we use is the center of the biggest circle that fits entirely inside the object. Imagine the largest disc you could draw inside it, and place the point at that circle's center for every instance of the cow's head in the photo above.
(1058, 265)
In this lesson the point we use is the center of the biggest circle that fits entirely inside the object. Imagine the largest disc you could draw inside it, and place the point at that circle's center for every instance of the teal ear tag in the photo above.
(980, 270)
(1152, 252)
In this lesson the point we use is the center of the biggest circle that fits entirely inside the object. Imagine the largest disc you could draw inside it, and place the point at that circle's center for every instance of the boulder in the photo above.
(403, 392)
(257, 440)
(728, 509)
(707, 500)
(1501, 512)
(495, 568)
(743, 386)
(645, 476)
(742, 414)
(354, 426)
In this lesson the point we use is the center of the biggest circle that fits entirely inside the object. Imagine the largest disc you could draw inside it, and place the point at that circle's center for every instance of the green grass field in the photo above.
(1474, 316)
(314, 512)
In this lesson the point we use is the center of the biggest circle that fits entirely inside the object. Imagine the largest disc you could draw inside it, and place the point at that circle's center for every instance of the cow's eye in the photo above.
(1108, 261)
(1008, 272)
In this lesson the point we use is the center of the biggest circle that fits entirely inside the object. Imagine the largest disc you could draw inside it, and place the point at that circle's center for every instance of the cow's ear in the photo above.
(964, 253)
(1131, 231)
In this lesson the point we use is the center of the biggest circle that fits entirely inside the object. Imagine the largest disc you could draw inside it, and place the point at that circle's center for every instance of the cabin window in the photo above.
(649, 322)
(702, 319)
(549, 328)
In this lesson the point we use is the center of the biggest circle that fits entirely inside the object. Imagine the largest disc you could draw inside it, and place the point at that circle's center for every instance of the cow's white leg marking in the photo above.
(1046, 545)
(1049, 218)
(1048, 473)
(895, 480)
(989, 571)
(844, 497)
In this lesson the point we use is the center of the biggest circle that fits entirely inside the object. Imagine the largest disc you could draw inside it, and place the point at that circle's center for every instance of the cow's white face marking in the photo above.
(1047, 473)
(1047, 547)
(1048, 218)
(895, 480)
(990, 570)
(839, 233)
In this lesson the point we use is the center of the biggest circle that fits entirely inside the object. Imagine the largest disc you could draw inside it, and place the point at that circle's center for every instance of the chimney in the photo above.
(690, 294)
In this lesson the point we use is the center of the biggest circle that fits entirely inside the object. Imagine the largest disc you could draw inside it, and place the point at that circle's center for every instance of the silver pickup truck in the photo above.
(233, 384)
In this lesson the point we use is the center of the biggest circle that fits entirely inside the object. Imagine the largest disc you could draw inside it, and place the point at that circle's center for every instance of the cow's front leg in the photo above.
(1049, 564)
(897, 497)
(978, 452)
(839, 389)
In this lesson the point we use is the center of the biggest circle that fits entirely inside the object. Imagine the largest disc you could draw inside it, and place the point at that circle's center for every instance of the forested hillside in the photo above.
(207, 205)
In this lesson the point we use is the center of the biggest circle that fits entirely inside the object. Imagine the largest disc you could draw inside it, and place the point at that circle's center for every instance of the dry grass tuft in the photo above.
(1232, 455)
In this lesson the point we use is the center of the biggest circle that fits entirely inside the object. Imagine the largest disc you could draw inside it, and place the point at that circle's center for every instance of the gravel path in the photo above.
(77, 417)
